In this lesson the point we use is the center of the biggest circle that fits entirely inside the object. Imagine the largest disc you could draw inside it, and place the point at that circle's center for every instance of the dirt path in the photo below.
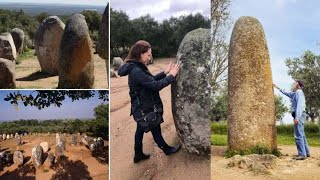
(286, 168)
(78, 164)
(28, 75)
(159, 166)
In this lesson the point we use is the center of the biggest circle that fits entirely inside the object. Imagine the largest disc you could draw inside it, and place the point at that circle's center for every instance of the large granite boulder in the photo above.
(7, 74)
(7, 47)
(75, 56)
(37, 156)
(18, 158)
(18, 39)
(251, 106)
(191, 102)
(47, 44)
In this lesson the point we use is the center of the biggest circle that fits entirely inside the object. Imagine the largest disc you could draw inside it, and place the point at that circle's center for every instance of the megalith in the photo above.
(251, 106)
(190, 93)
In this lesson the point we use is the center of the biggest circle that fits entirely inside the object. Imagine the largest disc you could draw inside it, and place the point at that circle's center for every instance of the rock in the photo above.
(18, 158)
(16, 135)
(100, 143)
(86, 140)
(50, 159)
(18, 39)
(59, 150)
(93, 146)
(57, 138)
(37, 156)
(116, 63)
(251, 120)
(74, 140)
(11, 136)
(102, 47)
(75, 56)
(28, 44)
(190, 93)
(5, 158)
(7, 47)
(18, 140)
(45, 146)
(4, 137)
(47, 44)
(8, 74)
(8, 136)
(113, 73)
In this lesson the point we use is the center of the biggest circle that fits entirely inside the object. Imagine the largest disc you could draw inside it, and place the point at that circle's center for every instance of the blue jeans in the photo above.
(300, 137)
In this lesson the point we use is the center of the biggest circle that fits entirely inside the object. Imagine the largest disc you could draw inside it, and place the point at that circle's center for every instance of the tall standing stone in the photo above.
(18, 140)
(75, 56)
(45, 146)
(102, 47)
(18, 39)
(251, 106)
(47, 44)
(191, 92)
(7, 47)
(7, 74)
(74, 140)
(37, 156)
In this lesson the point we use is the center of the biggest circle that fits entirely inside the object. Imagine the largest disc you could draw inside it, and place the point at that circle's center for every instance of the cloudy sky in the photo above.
(69, 110)
(80, 2)
(161, 9)
(291, 27)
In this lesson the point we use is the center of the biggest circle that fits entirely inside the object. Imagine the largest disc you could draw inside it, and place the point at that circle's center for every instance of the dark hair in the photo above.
(301, 83)
(137, 49)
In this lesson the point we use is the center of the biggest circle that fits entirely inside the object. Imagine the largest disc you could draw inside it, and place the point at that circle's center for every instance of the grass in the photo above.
(27, 54)
(313, 139)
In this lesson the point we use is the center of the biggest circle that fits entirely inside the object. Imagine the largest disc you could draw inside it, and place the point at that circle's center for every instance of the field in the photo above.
(78, 162)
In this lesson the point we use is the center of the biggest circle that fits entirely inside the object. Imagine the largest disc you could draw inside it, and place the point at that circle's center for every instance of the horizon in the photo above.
(98, 3)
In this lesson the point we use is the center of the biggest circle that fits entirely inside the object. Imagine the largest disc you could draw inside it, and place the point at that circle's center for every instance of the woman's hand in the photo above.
(175, 69)
(170, 65)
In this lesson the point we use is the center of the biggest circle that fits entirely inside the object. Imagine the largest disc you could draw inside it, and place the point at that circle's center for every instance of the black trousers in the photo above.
(156, 133)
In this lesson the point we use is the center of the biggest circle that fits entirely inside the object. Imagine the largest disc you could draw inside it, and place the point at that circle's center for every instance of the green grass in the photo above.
(313, 139)
(29, 53)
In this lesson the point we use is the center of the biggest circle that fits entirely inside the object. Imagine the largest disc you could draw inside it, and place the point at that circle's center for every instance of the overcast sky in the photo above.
(80, 109)
(80, 2)
(161, 9)
(291, 27)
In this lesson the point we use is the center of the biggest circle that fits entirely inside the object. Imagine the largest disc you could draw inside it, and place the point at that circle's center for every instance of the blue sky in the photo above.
(291, 27)
(80, 2)
(69, 110)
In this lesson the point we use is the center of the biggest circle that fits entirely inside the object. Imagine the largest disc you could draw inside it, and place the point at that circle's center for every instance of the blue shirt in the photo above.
(298, 102)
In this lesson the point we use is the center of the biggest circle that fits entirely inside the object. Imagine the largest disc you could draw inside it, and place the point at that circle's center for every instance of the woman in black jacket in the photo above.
(144, 93)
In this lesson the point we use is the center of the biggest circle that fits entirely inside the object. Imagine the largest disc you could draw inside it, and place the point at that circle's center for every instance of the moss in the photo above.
(259, 149)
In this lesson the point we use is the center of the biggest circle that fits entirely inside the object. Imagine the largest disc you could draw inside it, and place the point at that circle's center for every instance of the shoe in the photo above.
(139, 155)
(168, 150)
(300, 158)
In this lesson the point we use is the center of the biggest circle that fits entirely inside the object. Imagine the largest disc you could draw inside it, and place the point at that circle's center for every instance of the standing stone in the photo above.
(100, 143)
(4, 137)
(11, 136)
(5, 158)
(75, 56)
(251, 106)
(18, 39)
(7, 74)
(16, 135)
(37, 156)
(59, 150)
(47, 43)
(7, 47)
(117, 62)
(18, 158)
(57, 138)
(8, 136)
(50, 159)
(45, 146)
(102, 47)
(74, 140)
(191, 102)
(18, 140)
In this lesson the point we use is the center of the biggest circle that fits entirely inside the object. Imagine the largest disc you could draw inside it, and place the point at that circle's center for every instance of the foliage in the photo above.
(259, 149)
(281, 108)
(165, 37)
(44, 98)
(307, 68)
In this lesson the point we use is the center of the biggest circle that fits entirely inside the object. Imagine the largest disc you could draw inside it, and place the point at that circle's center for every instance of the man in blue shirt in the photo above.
(299, 115)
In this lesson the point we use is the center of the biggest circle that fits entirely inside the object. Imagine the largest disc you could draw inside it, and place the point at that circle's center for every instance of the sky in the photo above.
(291, 27)
(161, 9)
(79, 2)
(81, 109)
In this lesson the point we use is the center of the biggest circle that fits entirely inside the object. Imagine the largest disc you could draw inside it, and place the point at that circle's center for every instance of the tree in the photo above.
(307, 68)
(100, 127)
(40, 17)
(220, 25)
(281, 108)
(44, 98)
(219, 104)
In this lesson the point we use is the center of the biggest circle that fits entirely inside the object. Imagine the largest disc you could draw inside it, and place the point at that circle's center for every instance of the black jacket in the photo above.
(144, 87)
